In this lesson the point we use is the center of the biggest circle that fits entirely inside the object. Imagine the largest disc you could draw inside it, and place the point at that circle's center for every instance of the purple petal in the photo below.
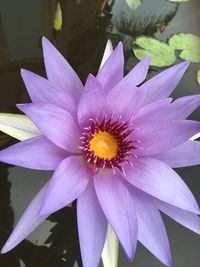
(67, 183)
(35, 153)
(151, 230)
(107, 52)
(92, 226)
(28, 222)
(55, 123)
(159, 136)
(186, 154)
(163, 110)
(163, 84)
(138, 74)
(59, 71)
(124, 100)
(153, 111)
(186, 218)
(92, 103)
(119, 208)
(184, 106)
(43, 91)
(157, 179)
(113, 69)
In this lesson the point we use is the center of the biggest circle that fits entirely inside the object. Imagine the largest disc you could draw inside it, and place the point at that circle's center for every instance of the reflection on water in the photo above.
(86, 26)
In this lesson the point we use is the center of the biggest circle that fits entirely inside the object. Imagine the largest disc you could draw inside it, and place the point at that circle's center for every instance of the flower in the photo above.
(112, 144)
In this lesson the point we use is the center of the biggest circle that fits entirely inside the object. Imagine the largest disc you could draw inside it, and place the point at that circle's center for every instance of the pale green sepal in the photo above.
(18, 126)
(111, 249)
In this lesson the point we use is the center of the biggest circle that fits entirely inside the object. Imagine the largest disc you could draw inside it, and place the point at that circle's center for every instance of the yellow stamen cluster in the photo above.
(104, 145)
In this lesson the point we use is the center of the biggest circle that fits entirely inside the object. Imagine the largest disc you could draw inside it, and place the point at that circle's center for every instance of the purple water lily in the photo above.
(112, 144)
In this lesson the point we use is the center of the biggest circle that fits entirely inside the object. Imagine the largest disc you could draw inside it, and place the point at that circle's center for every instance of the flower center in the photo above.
(104, 145)
(108, 143)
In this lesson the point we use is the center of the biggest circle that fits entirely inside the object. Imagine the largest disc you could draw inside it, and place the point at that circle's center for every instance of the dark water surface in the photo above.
(86, 27)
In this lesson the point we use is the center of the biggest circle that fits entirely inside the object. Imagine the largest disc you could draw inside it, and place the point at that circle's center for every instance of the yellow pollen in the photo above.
(104, 145)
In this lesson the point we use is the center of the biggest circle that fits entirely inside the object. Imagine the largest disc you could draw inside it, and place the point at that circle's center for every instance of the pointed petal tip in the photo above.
(185, 64)
(44, 40)
(46, 43)
(19, 106)
(4, 250)
(25, 72)
(109, 43)
(120, 45)
(23, 107)
(119, 48)
(92, 78)
(7, 247)
(166, 258)
(131, 255)
(22, 71)
(168, 262)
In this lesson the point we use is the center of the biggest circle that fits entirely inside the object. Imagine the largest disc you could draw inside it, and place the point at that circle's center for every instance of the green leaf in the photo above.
(162, 55)
(198, 76)
(193, 56)
(133, 3)
(184, 41)
(189, 44)
(18, 126)
(110, 250)
(58, 18)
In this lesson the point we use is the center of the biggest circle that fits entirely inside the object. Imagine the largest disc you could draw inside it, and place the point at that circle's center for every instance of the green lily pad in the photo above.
(198, 76)
(162, 55)
(58, 18)
(184, 41)
(193, 56)
(133, 3)
(189, 43)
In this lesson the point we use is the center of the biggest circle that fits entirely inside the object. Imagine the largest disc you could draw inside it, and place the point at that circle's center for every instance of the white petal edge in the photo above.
(111, 249)
(194, 137)
(18, 126)
(107, 52)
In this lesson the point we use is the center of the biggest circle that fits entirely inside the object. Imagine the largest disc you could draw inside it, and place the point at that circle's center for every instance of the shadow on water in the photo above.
(86, 26)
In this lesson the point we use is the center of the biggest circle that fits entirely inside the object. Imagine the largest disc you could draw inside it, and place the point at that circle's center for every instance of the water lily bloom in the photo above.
(112, 144)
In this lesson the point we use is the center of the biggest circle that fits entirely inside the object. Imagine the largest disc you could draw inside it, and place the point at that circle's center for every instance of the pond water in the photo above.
(86, 26)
